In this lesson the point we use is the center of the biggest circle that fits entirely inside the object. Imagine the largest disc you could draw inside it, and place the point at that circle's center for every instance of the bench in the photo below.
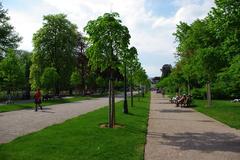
(47, 97)
(184, 101)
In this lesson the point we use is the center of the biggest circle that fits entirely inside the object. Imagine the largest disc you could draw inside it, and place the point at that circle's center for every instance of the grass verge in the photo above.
(223, 111)
(82, 138)
(28, 105)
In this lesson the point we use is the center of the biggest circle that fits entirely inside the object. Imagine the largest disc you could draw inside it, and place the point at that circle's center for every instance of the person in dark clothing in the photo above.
(37, 99)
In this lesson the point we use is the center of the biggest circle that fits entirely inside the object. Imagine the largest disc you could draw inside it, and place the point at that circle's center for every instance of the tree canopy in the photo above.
(8, 37)
(54, 46)
(207, 52)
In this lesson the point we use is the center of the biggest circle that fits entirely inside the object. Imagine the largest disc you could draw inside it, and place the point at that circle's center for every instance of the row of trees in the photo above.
(208, 54)
(64, 60)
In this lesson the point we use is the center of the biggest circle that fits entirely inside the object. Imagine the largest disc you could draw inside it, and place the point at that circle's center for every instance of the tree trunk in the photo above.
(70, 91)
(189, 89)
(113, 106)
(131, 90)
(83, 79)
(110, 105)
(125, 105)
(209, 98)
(142, 91)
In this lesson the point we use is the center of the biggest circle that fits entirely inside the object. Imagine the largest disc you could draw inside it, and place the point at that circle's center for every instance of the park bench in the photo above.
(47, 97)
(183, 102)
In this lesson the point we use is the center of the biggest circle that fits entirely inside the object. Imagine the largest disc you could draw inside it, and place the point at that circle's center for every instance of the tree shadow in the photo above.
(163, 103)
(205, 142)
(174, 119)
(133, 114)
(47, 110)
(175, 111)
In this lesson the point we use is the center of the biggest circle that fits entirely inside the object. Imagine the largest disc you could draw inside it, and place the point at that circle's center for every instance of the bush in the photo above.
(199, 93)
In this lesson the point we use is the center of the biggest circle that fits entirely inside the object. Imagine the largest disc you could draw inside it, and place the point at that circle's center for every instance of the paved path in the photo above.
(183, 134)
(17, 123)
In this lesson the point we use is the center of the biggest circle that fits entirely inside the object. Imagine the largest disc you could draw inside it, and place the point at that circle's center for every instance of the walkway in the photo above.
(183, 134)
(17, 123)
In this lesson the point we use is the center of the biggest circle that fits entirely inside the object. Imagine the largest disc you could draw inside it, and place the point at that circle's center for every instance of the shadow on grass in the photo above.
(135, 115)
(205, 142)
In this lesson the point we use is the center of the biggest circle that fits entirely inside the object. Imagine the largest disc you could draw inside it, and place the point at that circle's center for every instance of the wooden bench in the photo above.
(184, 102)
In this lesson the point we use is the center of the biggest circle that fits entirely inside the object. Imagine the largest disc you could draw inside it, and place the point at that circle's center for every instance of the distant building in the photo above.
(154, 81)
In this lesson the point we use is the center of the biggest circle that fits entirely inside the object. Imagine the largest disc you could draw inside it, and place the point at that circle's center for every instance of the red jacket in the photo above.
(37, 95)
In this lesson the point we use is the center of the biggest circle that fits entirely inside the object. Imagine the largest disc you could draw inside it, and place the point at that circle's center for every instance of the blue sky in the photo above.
(150, 22)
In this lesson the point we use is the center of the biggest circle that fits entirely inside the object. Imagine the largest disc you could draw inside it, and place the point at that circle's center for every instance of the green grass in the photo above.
(13, 107)
(223, 111)
(82, 138)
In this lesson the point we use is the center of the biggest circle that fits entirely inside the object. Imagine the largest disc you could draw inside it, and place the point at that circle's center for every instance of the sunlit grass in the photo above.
(223, 111)
(82, 138)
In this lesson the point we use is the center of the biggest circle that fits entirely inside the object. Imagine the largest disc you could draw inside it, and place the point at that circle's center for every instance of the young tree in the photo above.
(141, 79)
(107, 39)
(133, 65)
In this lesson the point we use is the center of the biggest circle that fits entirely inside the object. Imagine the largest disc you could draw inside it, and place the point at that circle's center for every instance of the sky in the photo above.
(151, 23)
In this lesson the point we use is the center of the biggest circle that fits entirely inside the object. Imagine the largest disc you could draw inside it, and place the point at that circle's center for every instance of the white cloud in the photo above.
(25, 25)
(149, 33)
(152, 70)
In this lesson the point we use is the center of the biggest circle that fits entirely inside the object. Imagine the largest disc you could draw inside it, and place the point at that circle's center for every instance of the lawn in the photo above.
(82, 138)
(223, 111)
(13, 107)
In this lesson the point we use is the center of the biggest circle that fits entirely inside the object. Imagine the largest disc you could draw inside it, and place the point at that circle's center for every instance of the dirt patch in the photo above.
(105, 125)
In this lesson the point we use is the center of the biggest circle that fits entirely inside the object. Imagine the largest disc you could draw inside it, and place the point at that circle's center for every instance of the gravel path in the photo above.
(17, 123)
(183, 134)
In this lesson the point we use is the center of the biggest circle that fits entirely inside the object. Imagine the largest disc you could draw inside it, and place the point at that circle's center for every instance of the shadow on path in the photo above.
(173, 119)
(175, 111)
(205, 142)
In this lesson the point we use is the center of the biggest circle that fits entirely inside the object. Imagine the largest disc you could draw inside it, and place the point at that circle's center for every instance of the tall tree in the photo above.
(166, 70)
(108, 39)
(81, 60)
(54, 46)
(8, 37)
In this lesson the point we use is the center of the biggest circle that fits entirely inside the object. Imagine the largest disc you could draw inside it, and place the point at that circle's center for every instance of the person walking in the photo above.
(37, 99)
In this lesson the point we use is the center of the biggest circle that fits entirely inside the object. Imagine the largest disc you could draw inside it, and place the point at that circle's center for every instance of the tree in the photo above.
(208, 49)
(166, 70)
(107, 39)
(75, 79)
(140, 78)
(8, 37)
(229, 79)
(101, 83)
(49, 78)
(54, 46)
(11, 72)
(133, 65)
(25, 61)
(81, 60)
